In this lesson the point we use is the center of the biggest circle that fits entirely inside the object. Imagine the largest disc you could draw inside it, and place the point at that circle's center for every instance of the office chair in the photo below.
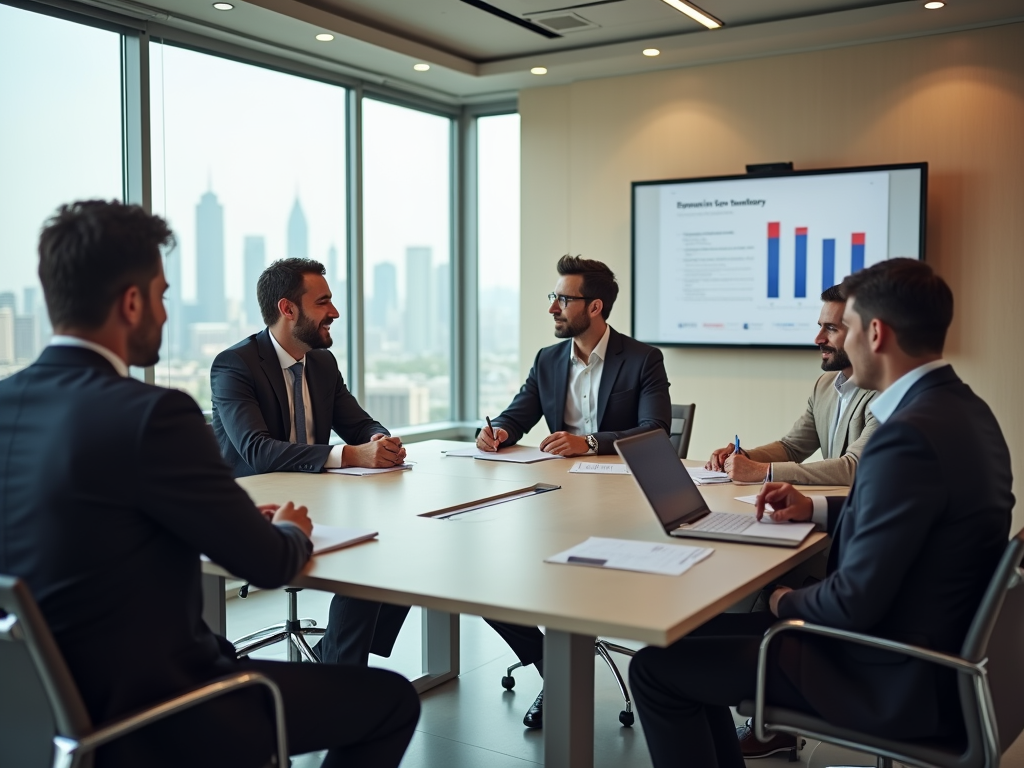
(679, 434)
(43, 720)
(682, 427)
(292, 631)
(990, 672)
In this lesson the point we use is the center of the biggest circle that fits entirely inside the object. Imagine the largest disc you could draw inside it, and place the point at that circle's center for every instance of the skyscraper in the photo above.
(298, 233)
(6, 335)
(255, 261)
(419, 326)
(210, 259)
(26, 342)
(384, 305)
(9, 301)
(442, 308)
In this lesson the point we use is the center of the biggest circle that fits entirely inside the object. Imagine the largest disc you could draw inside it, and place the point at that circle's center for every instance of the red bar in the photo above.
(858, 238)
(773, 229)
(801, 230)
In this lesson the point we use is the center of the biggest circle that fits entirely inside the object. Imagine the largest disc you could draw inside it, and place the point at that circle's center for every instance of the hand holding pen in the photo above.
(491, 437)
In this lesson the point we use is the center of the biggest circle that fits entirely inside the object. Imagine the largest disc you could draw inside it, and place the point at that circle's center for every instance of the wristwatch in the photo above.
(592, 443)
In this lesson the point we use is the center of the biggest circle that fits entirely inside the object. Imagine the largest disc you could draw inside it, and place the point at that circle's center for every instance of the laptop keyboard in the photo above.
(721, 522)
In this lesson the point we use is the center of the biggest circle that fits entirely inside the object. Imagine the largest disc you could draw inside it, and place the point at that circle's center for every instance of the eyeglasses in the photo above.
(563, 300)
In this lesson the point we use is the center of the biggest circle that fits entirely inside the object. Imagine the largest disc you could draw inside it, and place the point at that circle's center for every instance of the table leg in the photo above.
(215, 610)
(568, 700)
(440, 632)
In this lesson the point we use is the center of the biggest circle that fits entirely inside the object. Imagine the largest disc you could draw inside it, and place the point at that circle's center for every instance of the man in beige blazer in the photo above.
(837, 421)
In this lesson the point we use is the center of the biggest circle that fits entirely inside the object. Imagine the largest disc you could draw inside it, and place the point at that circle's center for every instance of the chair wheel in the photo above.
(626, 718)
(508, 682)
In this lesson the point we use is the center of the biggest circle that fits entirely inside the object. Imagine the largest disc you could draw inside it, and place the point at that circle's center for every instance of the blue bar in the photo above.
(857, 253)
(800, 287)
(773, 267)
(828, 264)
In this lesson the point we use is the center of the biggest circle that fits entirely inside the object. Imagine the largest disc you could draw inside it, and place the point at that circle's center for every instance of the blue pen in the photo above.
(736, 445)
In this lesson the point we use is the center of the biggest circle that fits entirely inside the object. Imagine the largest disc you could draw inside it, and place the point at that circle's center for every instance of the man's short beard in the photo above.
(144, 344)
(839, 362)
(573, 329)
(308, 332)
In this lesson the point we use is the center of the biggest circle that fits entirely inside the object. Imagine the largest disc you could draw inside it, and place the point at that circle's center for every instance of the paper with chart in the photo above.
(628, 555)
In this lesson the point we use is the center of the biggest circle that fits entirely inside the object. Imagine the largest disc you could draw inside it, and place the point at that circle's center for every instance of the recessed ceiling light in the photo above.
(694, 13)
(223, 6)
(651, 52)
(421, 67)
(539, 71)
(933, 5)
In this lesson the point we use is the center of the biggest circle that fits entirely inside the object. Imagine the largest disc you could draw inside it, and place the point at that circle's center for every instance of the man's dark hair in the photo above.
(909, 297)
(91, 252)
(598, 280)
(833, 294)
(283, 280)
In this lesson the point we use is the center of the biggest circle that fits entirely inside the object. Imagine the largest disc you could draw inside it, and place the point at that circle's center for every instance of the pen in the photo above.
(491, 430)
(736, 445)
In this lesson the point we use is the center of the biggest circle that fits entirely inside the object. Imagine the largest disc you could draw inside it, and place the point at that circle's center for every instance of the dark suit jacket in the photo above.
(914, 546)
(251, 415)
(109, 491)
(633, 396)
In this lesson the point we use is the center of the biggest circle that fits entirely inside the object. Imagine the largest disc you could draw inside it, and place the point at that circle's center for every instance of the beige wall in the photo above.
(955, 101)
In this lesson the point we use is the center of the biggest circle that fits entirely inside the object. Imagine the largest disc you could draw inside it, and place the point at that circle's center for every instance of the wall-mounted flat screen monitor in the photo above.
(743, 260)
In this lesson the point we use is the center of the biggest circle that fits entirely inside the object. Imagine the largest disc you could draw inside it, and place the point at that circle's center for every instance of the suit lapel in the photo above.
(839, 443)
(272, 368)
(612, 364)
(561, 389)
(312, 375)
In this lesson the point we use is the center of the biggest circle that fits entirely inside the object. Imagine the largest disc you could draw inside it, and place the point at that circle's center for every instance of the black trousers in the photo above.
(683, 692)
(527, 643)
(356, 628)
(363, 717)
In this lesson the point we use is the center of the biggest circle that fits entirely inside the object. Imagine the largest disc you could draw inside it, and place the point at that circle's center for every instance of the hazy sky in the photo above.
(257, 138)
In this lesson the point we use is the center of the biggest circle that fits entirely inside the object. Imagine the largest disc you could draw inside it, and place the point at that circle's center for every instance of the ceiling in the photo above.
(477, 55)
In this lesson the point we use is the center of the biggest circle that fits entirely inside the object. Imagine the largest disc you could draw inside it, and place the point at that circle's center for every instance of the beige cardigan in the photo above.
(811, 433)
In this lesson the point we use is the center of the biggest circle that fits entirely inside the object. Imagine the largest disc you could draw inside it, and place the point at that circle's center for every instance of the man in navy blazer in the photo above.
(593, 388)
(112, 488)
(276, 397)
(914, 546)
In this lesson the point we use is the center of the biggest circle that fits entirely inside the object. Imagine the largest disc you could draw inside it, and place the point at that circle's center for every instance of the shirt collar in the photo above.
(74, 341)
(599, 351)
(286, 360)
(843, 385)
(889, 400)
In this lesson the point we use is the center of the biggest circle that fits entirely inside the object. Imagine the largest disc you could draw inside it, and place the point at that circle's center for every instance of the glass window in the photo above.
(498, 261)
(406, 265)
(60, 140)
(248, 167)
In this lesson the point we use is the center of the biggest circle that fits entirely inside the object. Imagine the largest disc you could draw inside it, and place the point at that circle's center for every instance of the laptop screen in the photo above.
(662, 477)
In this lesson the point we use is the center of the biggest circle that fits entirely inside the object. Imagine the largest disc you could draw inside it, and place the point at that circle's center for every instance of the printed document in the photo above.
(361, 471)
(516, 454)
(628, 555)
(594, 468)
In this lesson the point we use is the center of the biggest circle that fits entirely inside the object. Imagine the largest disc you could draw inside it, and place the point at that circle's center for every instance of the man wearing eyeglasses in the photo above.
(592, 389)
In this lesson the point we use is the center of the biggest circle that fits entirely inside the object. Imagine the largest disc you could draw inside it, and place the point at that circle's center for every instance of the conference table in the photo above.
(490, 563)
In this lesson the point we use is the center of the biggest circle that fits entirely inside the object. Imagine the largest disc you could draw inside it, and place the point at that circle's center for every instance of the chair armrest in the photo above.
(796, 625)
(188, 700)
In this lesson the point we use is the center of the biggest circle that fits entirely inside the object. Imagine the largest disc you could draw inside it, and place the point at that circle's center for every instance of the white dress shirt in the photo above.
(287, 361)
(883, 407)
(581, 395)
(73, 341)
(846, 389)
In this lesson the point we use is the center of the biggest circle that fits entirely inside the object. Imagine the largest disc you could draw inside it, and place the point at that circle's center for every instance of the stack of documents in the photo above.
(707, 477)
(628, 555)
(516, 454)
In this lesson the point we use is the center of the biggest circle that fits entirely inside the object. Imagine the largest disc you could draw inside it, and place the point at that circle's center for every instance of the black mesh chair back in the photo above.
(682, 427)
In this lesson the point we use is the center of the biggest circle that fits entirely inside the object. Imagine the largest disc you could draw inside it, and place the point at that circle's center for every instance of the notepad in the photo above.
(594, 468)
(516, 454)
(703, 476)
(361, 471)
(629, 555)
(327, 538)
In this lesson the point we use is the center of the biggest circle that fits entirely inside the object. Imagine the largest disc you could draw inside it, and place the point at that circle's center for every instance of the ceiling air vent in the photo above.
(564, 23)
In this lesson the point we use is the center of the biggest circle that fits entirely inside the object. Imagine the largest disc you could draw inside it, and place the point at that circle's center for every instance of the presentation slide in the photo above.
(744, 260)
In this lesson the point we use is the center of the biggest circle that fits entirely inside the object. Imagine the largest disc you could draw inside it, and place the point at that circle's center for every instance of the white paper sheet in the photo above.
(327, 538)
(594, 468)
(627, 555)
(516, 454)
(753, 500)
(361, 471)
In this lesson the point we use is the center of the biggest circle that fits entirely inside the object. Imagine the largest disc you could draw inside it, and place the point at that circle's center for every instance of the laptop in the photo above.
(679, 505)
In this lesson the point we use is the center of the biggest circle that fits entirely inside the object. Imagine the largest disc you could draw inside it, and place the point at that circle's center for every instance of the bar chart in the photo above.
(858, 244)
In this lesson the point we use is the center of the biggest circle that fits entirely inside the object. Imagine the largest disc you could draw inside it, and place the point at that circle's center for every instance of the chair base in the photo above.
(604, 649)
(292, 631)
